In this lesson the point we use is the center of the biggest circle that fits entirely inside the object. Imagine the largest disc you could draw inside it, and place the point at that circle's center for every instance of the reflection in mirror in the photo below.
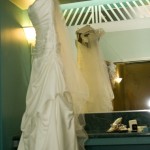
(125, 43)
(133, 92)
(94, 70)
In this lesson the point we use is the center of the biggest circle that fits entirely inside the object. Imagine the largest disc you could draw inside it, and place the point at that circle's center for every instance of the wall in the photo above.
(15, 71)
(122, 41)
(0, 88)
(137, 85)
(126, 45)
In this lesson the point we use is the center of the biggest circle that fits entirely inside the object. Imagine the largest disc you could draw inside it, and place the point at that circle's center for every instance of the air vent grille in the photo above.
(107, 13)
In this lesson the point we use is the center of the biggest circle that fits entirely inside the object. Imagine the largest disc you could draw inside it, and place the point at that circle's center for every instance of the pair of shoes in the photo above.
(122, 128)
(116, 126)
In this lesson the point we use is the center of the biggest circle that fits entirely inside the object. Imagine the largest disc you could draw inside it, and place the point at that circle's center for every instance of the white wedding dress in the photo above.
(56, 91)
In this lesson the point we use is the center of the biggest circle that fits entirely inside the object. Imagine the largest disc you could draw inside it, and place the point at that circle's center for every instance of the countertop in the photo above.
(118, 139)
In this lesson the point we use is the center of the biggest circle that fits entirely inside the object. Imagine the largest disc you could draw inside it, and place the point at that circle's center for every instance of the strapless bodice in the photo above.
(42, 18)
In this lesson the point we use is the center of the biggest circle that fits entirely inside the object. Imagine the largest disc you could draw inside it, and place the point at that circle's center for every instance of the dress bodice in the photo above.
(41, 14)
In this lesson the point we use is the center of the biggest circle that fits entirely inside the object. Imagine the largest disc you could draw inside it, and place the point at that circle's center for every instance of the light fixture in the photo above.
(31, 38)
(148, 103)
(30, 35)
(118, 79)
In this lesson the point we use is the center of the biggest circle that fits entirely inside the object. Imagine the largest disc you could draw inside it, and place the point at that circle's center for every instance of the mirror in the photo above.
(127, 28)
(125, 42)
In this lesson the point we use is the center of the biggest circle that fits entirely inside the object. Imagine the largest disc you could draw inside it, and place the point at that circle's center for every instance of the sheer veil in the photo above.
(74, 80)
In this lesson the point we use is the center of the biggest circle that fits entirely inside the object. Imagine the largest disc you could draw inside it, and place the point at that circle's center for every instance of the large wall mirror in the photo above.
(125, 42)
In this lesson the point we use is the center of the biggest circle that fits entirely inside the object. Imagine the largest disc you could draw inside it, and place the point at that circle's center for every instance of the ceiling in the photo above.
(71, 1)
(23, 4)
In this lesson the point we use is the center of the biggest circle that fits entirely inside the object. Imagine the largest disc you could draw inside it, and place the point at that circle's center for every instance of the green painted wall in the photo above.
(0, 87)
(1, 139)
(15, 72)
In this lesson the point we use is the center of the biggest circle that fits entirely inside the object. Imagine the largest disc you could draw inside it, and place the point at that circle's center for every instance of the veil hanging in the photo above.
(94, 69)
(74, 80)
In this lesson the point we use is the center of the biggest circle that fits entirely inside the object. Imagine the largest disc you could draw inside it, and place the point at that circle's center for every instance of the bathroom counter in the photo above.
(98, 123)
(113, 135)
(119, 138)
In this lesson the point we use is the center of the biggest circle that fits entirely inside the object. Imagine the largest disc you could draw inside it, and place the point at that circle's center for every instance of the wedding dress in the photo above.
(56, 91)
(94, 69)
